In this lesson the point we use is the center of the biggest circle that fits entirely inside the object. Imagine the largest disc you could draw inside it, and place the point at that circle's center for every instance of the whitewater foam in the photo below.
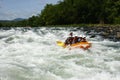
(32, 54)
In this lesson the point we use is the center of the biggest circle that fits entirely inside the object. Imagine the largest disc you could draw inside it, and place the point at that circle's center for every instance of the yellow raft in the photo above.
(83, 45)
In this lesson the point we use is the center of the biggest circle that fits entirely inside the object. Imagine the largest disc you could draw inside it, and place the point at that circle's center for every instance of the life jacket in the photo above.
(75, 40)
(69, 40)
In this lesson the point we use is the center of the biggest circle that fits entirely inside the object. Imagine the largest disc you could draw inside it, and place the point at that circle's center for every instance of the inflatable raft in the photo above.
(82, 45)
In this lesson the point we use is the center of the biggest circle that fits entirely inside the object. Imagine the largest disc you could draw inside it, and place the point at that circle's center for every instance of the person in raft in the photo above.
(71, 40)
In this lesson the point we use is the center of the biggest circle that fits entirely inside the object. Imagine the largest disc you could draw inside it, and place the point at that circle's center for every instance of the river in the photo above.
(32, 54)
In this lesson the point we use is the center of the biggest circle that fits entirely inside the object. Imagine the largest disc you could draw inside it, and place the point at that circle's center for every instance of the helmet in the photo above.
(71, 34)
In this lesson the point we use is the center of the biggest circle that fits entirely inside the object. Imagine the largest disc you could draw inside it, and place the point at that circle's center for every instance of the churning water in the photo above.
(32, 54)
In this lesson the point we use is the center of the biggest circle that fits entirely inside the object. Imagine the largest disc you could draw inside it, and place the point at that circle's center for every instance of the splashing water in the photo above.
(33, 55)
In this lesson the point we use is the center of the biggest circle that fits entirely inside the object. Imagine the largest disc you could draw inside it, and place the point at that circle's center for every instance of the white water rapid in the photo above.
(33, 55)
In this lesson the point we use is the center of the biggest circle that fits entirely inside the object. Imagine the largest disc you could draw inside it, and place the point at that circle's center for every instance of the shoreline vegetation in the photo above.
(85, 25)
(75, 12)
(72, 25)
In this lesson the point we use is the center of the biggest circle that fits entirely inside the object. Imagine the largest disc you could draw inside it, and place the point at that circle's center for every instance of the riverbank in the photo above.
(110, 32)
(107, 31)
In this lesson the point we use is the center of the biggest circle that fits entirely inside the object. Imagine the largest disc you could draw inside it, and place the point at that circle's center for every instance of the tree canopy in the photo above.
(77, 12)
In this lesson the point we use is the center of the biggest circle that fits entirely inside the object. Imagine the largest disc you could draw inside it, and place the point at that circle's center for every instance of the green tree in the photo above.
(1, 25)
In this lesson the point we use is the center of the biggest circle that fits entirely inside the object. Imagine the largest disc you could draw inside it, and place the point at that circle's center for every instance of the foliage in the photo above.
(81, 11)
(1, 25)
(74, 12)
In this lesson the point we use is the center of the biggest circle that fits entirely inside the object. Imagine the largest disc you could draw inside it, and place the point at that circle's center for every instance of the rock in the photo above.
(108, 32)
(92, 36)
(118, 34)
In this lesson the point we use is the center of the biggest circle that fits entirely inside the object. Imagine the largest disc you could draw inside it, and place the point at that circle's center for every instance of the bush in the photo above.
(117, 20)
